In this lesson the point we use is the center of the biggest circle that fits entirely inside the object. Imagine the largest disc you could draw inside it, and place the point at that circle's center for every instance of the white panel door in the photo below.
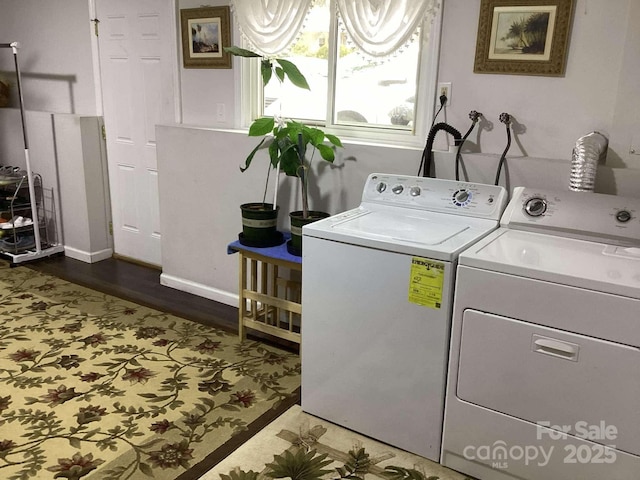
(137, 61)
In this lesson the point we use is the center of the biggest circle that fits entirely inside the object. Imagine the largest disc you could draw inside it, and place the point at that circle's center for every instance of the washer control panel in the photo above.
(577, 214)
(434, 194)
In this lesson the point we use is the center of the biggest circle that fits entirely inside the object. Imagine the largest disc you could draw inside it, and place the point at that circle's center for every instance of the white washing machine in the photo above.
(544, 369)
(377, 294)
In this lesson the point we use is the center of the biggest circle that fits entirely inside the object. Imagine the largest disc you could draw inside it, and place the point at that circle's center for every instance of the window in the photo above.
(352, 93)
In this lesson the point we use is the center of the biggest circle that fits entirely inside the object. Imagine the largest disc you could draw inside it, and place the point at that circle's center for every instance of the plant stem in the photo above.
(303, 177)
(266, 185)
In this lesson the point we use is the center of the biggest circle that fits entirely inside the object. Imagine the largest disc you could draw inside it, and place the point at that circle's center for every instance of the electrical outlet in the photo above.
(444, 88)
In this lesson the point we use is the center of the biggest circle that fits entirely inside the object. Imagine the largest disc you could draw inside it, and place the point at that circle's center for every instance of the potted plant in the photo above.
(292, 145)
(259, 219)
(259, 222)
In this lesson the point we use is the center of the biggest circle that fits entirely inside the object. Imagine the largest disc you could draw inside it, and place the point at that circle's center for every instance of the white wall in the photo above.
(84, 193)
(625, 132)
(542, 173)
(55, 56)
(551, 112)
(200, 212)
(55, 59)
(599, 90)
(68, 152)
(203, 89)
(202, 188)
(200, 205)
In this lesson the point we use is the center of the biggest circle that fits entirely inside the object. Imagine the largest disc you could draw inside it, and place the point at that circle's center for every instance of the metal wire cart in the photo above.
(24, 232)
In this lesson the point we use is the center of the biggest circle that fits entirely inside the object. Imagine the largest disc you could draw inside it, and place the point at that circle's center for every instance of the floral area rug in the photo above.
(303, 447)
(95, 387)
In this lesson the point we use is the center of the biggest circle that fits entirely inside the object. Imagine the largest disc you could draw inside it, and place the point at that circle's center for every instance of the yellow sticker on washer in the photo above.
(426, 282)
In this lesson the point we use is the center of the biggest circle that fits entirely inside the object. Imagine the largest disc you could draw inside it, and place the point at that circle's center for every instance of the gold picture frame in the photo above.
(523, 37)
(205, 33)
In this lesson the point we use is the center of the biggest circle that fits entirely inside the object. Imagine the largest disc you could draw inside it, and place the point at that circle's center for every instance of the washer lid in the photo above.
(401, 230)
(596, 266)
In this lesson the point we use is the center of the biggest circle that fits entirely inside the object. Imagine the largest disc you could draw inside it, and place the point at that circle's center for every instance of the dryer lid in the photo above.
(592, 265)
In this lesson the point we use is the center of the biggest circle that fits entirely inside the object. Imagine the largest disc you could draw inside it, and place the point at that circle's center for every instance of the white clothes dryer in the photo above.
(377, 292)
(544, 369)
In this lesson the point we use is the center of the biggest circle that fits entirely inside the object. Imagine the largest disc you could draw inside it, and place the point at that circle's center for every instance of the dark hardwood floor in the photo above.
(141, 284)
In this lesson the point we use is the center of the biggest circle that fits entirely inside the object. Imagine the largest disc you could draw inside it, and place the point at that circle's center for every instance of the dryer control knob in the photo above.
(381, 187)
(398, 189)
(415, 191)
(623, 216)
(535, 206)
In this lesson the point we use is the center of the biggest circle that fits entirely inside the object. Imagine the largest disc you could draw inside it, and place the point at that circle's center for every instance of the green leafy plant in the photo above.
(240, 475)
(356, 466)
(310, 466)
(299, 466)
(268, 67)
(399, 473)
(288, 141)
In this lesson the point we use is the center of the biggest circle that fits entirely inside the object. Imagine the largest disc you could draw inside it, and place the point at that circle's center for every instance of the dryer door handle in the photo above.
(556, 348)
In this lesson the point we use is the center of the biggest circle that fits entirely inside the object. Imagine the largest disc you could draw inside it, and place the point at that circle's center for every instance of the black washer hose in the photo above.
(475, 117)
(427, 153)
(506, 119)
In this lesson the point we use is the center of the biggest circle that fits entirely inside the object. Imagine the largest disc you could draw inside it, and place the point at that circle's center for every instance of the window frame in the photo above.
(252, 96)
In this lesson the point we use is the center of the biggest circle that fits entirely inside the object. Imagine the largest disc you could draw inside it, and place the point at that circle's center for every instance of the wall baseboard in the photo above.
(88, 257)
(199, 289)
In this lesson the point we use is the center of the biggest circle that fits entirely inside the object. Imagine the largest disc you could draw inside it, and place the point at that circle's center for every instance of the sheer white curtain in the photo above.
(377, 27)
(270, 26)
(380, 27)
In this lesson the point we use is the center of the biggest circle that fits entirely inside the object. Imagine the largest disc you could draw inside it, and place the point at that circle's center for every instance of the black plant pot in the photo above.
(259, 225)
(294, 246)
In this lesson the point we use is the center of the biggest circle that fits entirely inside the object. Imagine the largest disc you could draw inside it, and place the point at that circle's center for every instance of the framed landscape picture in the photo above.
(526, 37)
(205, 34)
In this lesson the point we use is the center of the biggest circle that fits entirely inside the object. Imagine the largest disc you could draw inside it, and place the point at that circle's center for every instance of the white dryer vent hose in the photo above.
(589, 151)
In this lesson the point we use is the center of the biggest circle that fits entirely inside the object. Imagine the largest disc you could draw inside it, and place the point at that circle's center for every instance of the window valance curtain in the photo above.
(270, 26)
(377, 27)
(380, 27)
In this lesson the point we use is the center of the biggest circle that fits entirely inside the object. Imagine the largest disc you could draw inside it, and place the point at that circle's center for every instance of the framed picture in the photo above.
(205, 33)
(523, 37)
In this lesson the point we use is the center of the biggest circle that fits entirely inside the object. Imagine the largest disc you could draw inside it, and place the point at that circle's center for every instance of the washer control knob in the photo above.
(415, 191)
(398, 189)
(623, 216)
(462, 196)
(535, 206)
(381, 187)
